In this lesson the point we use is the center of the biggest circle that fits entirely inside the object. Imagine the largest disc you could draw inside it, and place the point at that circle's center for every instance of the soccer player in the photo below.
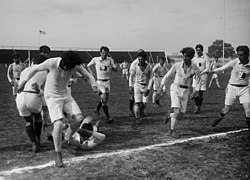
(140, 74)
(131, 99)
(87, 137)
(159, 70)
(214, 64)
(104, 65)
(238, 84)
(124, 67)
(14, 71)
(180, 88)
(58, 96)
(202, 61)
(29, 103)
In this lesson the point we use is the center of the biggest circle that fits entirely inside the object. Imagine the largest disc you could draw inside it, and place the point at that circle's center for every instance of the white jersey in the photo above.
(202, 62)
(141, 77)
(103, 67)
(14, 71)
(124, 65)
(181, 78)
(159, 71)
(39, 78)
(239, 74)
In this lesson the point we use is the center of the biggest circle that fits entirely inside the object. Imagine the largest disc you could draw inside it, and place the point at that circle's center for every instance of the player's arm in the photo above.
(113, 65)
(33, 70)
(169, 74)
(89, 76)
(91, 63)
(226, 66)
(10, 73)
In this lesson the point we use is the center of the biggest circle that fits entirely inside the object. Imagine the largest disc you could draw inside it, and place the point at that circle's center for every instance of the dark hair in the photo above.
(104, 48)
(199, 46)
(163, 58)
(15, 55)
(39, 59)
(88, 126)
(189, 51)
(142, 54)
(245, 49)
(71, 59)
(44, 49)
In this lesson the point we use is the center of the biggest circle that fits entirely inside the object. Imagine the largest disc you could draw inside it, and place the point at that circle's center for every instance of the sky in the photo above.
(167, 25)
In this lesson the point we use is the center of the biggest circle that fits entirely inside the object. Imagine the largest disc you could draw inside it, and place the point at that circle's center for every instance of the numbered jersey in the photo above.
(103, 67)
(240, 73)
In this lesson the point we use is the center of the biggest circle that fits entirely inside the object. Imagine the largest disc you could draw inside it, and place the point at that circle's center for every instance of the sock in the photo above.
(131, 105)
(173, 120)
(31, 132)
(99, 106)
(38, 129)
(221, 115)
(106, 111)
(57, 135)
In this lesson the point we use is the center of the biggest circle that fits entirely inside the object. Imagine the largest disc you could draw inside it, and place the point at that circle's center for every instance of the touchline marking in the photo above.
(119, 152)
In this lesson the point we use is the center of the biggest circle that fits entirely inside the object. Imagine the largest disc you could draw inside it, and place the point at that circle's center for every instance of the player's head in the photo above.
(39, 59)
(162, 60)
(104, 51)
(69, 60)
(243, 53)
(87, 125)
(16, 57)
(199, 49)
(188, 54)
(142, 57)
(44, 50)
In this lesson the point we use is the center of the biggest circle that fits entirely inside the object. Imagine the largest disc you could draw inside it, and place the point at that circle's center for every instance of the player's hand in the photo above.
(21, 86)
(95, 89)
(131, 89)
(194, 95)
(146, 93)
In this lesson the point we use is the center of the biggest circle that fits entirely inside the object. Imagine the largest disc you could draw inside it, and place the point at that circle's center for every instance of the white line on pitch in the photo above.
(119, 152)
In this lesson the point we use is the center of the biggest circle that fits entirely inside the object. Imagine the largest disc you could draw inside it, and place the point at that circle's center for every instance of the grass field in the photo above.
(121, 155)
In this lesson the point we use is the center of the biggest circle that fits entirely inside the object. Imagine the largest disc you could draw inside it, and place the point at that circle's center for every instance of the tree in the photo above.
(216, 49)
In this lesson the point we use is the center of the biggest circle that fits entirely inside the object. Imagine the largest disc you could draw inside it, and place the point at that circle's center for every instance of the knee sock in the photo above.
(99, 106)
(173, 121)
(106, 111)
(57, 136)
(38, 129)
(131, 105)
(31, 132)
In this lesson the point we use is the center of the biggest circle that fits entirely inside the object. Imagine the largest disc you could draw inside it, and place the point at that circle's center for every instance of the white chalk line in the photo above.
(119, 152)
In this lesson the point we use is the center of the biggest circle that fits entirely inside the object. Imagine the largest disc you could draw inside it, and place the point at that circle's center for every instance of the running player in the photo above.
(180, 88)
(29, 103)
(104, 65)
(124, 67)
(58, 97)
(14, 71)
(140, 74)
(159, 70)
(238, 84)
(202, 61)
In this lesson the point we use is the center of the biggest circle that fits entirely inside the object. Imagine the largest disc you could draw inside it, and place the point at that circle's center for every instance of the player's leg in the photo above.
(131, 104)
(246, 107)
(210, 83)
(138, 103)
(217, 82)
(30, 130)
(198, 102)
(38, 124)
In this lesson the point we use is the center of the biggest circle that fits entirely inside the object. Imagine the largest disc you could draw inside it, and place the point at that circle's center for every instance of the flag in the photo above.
(42, 32)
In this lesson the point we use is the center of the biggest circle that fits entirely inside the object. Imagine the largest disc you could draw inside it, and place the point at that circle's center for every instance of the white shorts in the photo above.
(157, 84)
(179, 97)
(203, 82)
(125, 71)
(232, 92)
(28, 103)
(139, 91)
(104, 86)
(57, 104)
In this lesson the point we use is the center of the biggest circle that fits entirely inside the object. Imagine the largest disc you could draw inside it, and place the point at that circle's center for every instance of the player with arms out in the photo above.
(124, 67)
(183, 73)
(58, 96)
(238, 85)
(104, 65)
